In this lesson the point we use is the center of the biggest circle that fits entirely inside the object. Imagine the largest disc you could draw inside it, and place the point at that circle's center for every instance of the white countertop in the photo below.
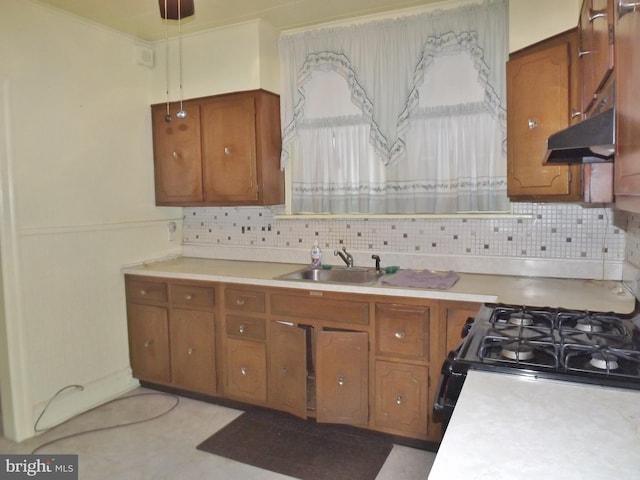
(532, 291)
(513, 427)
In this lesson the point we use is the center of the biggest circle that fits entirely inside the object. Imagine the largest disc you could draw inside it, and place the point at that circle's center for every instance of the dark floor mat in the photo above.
(300, 448)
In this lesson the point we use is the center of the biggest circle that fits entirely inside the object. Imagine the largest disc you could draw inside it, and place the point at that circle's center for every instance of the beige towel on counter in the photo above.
(422, 279)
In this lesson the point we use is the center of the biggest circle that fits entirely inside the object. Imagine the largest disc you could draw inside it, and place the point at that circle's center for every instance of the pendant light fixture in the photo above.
(181, 113)
(175, 10)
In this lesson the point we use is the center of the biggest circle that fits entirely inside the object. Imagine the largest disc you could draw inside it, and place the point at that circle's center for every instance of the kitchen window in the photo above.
(399, 116)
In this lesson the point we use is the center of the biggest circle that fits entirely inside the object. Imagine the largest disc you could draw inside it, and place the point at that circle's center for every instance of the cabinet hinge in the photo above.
(611, 35)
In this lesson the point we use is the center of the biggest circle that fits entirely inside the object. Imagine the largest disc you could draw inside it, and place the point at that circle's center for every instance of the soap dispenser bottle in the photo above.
(316, 256)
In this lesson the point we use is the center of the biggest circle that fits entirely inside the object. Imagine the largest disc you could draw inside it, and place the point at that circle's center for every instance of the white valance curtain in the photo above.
(398, 116)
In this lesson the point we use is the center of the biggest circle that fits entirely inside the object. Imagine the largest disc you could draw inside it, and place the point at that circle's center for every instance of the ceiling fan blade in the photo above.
(186, 9)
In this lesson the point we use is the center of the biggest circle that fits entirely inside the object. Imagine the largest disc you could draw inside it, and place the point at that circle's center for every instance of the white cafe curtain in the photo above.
(398, 116)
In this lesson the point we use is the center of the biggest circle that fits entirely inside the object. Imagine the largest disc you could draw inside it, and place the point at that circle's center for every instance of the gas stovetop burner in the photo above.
(603, 361)
(520, 318)
(589, 325)
(518, 352)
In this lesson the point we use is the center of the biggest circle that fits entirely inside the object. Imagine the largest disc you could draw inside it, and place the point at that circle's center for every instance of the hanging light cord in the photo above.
(180, 48)
(166, 46)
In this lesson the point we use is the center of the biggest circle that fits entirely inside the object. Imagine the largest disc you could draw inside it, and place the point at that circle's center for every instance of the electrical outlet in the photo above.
(171, 229)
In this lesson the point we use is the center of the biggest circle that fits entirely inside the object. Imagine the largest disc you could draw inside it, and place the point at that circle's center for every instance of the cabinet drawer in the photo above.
(192, 295)
(246, 327)
(138, 290)
(402, 330)
(244, 300)
(320, 308)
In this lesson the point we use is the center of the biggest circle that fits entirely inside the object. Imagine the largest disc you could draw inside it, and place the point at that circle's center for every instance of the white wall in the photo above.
(228, 59)
(533, 20)
(78, 203)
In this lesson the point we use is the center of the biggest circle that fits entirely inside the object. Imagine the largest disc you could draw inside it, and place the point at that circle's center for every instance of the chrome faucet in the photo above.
(346, 257)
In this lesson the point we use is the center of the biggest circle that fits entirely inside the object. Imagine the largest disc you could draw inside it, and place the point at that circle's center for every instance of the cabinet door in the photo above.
(149, 342)
(192, 350)
(596, 47)
(246, 370)
(177, 156)
(538, 105)
(229, 149)
(342, 377)
(627, 161)
(456, 317)
(287, 369)
(402, 398)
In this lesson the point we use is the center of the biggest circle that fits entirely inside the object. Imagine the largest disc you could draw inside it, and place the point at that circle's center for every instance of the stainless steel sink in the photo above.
(355, 275)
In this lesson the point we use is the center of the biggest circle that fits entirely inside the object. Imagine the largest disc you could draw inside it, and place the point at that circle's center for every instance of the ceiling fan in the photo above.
(176, 9)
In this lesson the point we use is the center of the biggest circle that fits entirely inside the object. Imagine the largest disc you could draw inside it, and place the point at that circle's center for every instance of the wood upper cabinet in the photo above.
(627, 157)
(542, 93)
(225, 152)
(596, 26)
(177, 156)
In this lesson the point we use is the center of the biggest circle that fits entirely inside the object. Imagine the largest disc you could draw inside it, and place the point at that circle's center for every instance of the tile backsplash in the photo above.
(535, 230)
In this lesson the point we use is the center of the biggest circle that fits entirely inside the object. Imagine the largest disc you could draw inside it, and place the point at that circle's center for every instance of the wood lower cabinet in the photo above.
(342, 377)
(363, 360)
(454, 317)
(171, 329)
(291, 376)
(246, 370)
(192, 352)
(401, 398)
(226, 151)
(245, 350)
(319, 356)
(149, 342)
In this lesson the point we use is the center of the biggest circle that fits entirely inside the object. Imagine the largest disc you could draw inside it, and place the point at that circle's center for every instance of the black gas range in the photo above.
(580, 346)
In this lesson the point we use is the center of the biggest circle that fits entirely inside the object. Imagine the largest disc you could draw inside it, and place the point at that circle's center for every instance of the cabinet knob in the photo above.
(190, 351)
(188, 296)
(399, 335)
(242, 328)
(532, 123)
(627, 7)
(340, 380)
(240, 301)
(148, 343)
(243, 371)
(175, 155)
(399, 399)
(143, 292)
(227, 151)
(593, 14)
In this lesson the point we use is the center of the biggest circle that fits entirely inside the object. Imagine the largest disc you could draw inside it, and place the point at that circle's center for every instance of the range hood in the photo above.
(590, 141)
